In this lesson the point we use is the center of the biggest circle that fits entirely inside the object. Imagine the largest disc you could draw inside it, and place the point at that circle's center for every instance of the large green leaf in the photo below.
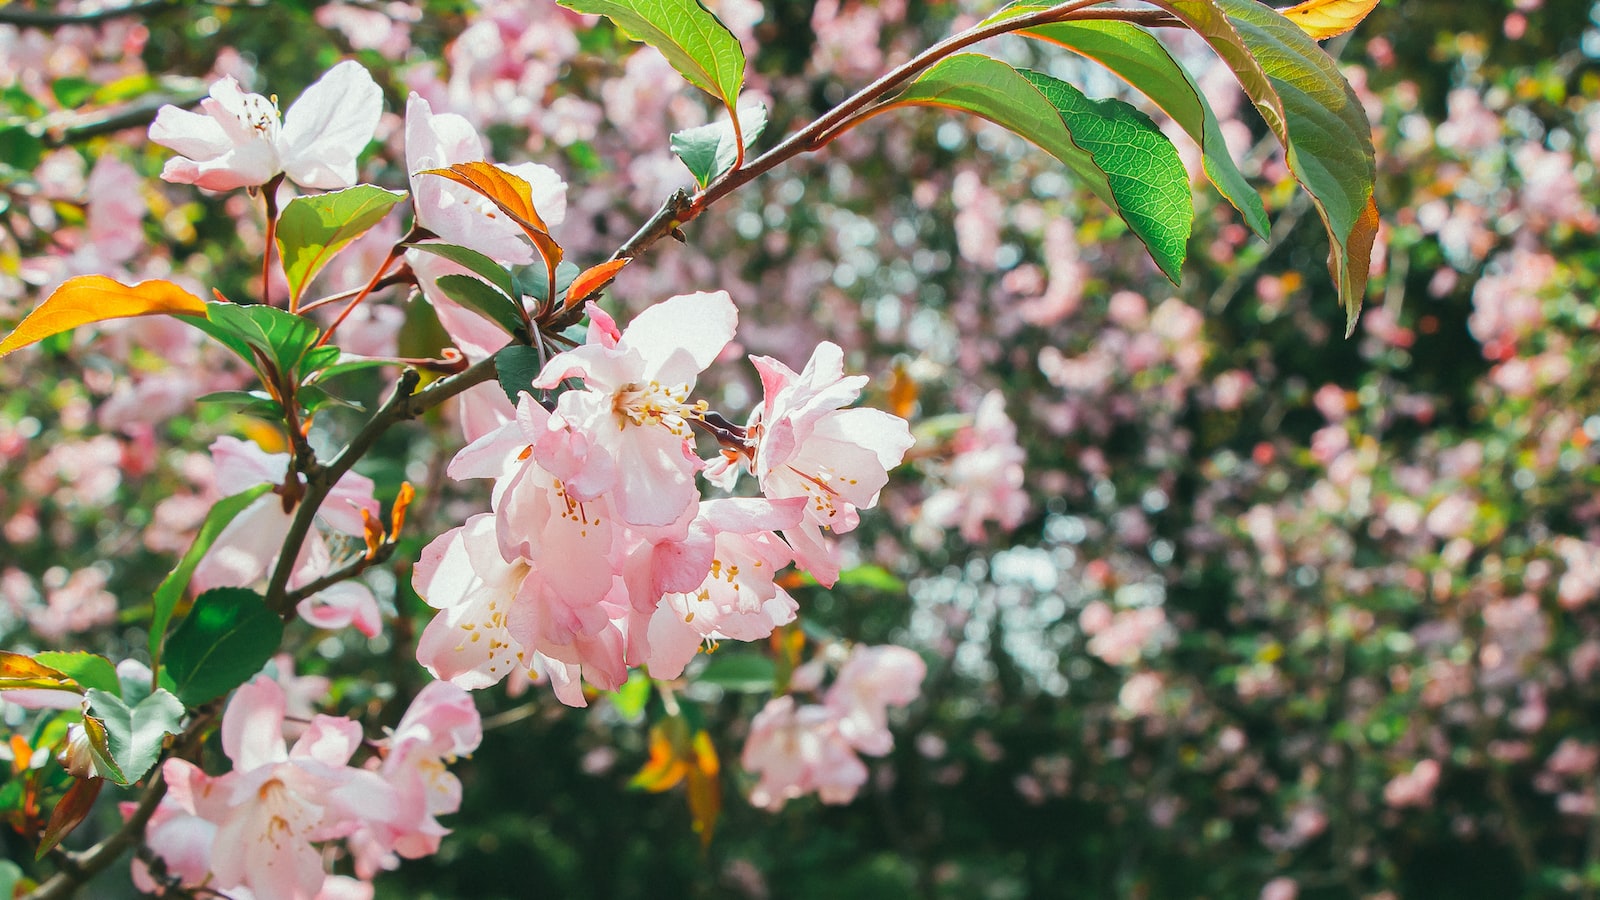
(1314, 112)
(172, 587)
(1110, 146)
(693, 40)
(314, 228)
(1135, 56)
(1146, 175)
(710, 150)
(134, 735)
(224, 641)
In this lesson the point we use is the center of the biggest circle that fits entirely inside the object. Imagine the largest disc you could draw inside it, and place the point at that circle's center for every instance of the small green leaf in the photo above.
(516, 366)
(630, 699)
(711, 150)
(134, 735)
(251, 403)
(314, 397)
(259, 334)
(89, 670)
(484, 300)
(317, 359)
(1114, 150)
(693, 40)
(1138, 58)
(312, 229)
(223, 642)
(745, 673)
(20, 149)
(1314, 113)
(475, 262)
(349, 362)
(177, 581)
(72, 92)
(875, 578)
(534, 281)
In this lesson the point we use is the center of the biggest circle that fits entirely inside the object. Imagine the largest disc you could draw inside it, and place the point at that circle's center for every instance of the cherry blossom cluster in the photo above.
(809, 748)
(264, 828)
(601, 554)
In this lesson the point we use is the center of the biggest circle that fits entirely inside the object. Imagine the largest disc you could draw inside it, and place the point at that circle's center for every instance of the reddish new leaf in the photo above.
(593, 279)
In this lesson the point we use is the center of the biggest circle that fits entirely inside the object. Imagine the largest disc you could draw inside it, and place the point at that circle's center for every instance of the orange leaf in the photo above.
(514, 197)
(69, 813)
(1358, 261)
(705, 789)
(1323, 19)
(96, 298)
(665, 768)
(397, 515)
(593, 279)
(22, 672)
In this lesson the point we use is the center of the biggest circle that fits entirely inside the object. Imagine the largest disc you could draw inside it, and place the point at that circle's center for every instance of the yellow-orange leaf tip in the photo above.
(1323, 19)
(96, 298)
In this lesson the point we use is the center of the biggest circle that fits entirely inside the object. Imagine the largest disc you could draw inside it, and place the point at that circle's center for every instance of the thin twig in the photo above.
(28, 18)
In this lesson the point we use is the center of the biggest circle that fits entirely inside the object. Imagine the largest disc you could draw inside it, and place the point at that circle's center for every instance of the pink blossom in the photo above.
(454, 212)
(1130, 631)
(440, 725)
(797, 751)
(872, 680)
(627, 431)
(738, 599)
(983, 482)
(807, 445)
(238, 141)
(270, 812)
(1414, 788)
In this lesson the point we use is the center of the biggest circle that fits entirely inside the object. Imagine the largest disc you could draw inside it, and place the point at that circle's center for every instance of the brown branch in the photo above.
(62, 132)
(28, 18)
(679, 209)
(404, 404)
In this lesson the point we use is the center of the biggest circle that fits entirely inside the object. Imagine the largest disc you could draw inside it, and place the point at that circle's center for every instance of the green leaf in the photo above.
(1134, 55)
(315, 397)
(475, 262)
(317, 359)
(693, 40)
(349, 362)
(1110, 146)
(711, 150)
(20, 149)
(72, 93)
(875, 578)
(1313, 112)
(224, 641)
(259, 334)
(250, 403)
(534, 281)
(484, 300)
(11, 875)
(745, 673)
(134, 735)
(88, 669)
(1146, 175)
(516, 366)
(312, 229)
(177, 581)
(630, 699)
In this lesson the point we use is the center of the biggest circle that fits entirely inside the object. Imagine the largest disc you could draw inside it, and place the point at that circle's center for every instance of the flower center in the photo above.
(658, 405)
